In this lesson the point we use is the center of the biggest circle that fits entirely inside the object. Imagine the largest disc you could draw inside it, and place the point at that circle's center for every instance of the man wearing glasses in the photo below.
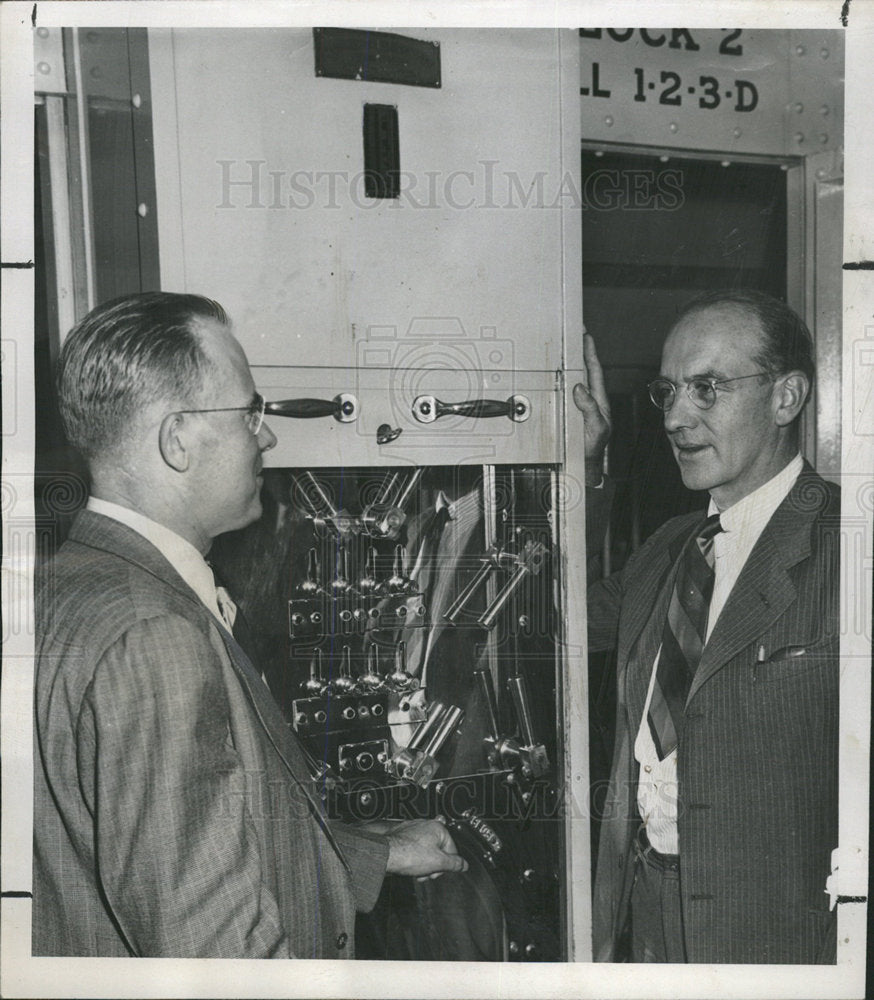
(721, 815)
(174, 812)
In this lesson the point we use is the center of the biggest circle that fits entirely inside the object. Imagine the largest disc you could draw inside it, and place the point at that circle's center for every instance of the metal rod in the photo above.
(450, 720)
(428, 726)
(459, 603)
(408, 489)
(488, 617)
(519, 692)
(487, 690)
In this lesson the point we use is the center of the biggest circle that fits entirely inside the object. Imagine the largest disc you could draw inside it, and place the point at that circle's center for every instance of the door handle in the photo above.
(427, 409)
(343, 407)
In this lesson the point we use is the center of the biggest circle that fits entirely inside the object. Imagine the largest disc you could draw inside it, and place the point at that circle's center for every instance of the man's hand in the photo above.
(592, 402)
(422, 848)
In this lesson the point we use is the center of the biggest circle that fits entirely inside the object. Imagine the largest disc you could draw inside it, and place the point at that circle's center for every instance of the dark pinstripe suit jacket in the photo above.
(173, 811)
(758, 777)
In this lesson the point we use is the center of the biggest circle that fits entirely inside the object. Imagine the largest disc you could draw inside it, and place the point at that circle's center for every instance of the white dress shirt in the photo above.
(181, 554)
(742, 523)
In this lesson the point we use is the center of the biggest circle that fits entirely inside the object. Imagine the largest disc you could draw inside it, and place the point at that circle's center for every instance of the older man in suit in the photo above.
(721, 814)
(175, 813)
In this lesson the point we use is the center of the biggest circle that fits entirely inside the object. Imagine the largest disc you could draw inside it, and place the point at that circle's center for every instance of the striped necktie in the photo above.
(683, 637)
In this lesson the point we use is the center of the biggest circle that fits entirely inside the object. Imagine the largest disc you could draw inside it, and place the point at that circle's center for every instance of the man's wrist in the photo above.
(594, 475)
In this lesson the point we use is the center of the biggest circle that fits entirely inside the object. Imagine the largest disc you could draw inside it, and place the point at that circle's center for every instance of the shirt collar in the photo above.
(179, 552)
(753, 512)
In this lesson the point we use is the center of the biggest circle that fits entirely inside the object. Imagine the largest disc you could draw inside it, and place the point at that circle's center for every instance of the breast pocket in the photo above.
(781, 662)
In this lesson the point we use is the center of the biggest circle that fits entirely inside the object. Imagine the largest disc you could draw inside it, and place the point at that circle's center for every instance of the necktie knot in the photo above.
(711, 526)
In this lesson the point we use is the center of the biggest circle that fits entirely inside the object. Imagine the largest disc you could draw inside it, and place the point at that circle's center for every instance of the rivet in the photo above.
(96, 72)
(821, 174)
(824, 110)
(664, 159)
(824, 52)
(725, 163)
(673, 126)
(784, 167)
(823, 138)
(513, 948)
(92, 36)
(799, 137)
(599, 153)
(800, 50)
(142, 210)
(44, 67)
(137, 101)
(608, 120)
(737, 133)
(799, 107)
(43, 32)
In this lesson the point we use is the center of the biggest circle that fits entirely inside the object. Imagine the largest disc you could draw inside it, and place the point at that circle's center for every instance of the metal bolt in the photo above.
(513, 948)
(737, 133)
(528, 874)
(673, 126)
(530, 949)
(524, 621)
(608, 120)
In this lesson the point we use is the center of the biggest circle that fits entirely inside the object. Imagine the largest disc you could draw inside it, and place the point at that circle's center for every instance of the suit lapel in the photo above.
(764, 589)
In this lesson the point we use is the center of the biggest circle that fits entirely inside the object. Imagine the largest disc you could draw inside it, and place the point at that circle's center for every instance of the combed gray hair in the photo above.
(125, 354)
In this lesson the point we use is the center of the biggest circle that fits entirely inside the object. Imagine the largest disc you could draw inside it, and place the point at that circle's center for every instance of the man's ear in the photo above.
(790, 394)
(171, 441)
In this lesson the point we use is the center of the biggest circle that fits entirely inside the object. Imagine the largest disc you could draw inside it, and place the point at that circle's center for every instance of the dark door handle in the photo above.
(343, 407)
(427, 409)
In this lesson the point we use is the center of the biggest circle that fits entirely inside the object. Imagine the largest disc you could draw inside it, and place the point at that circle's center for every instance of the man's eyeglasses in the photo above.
(254, 412)
(702, 391)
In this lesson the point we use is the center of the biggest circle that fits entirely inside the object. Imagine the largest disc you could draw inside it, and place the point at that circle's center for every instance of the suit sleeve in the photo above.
(178, 857)
(367, 856)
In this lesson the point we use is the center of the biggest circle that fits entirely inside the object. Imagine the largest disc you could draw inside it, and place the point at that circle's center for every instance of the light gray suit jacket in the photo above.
(757, 766)
(174, 814)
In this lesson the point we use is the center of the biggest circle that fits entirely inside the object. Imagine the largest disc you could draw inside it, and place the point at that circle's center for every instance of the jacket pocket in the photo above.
(793, 660)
